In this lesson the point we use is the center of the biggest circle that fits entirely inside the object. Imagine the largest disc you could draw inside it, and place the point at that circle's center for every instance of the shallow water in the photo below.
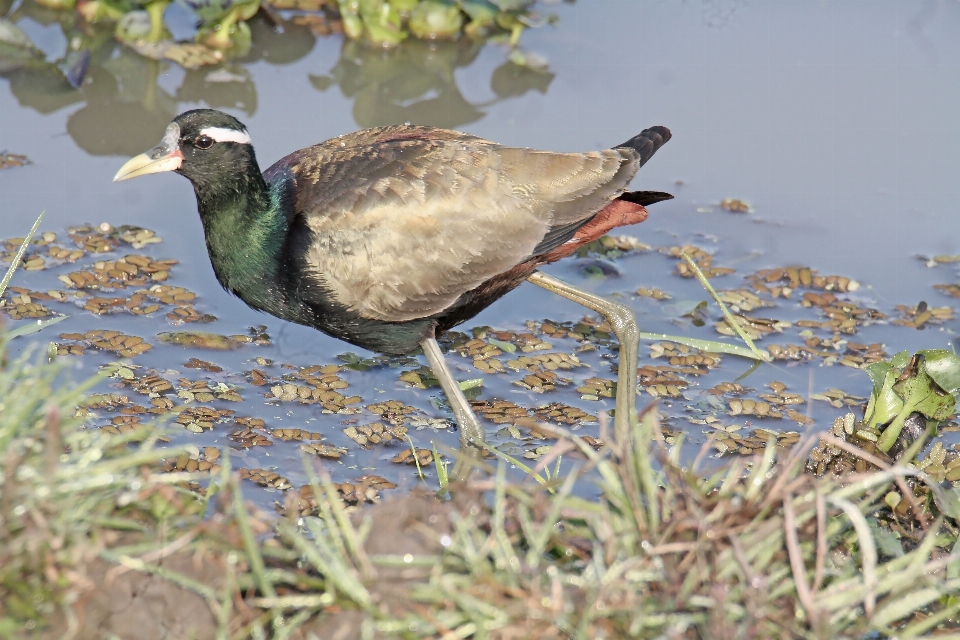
(835, 120)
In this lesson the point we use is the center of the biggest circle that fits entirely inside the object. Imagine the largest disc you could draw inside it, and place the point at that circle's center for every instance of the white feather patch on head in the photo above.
(220, 134)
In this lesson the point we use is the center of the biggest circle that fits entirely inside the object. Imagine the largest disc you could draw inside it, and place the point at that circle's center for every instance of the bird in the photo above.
(387, 237)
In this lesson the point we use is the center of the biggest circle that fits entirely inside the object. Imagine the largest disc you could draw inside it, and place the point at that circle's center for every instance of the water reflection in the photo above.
(416, 82)
(124, 92)
(50, 85)
(122, 99)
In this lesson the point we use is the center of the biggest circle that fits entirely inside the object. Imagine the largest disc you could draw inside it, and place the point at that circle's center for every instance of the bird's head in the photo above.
(205, 145)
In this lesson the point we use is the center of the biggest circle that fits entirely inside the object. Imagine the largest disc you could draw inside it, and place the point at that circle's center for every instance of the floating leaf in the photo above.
(199, 340)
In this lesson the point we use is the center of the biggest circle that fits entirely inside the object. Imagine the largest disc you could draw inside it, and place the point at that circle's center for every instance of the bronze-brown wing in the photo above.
(404, 226)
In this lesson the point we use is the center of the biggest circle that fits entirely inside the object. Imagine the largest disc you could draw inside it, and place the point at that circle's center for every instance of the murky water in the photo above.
(835, 120)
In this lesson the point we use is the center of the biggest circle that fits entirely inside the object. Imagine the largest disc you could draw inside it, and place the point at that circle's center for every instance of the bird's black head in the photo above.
(209, 147)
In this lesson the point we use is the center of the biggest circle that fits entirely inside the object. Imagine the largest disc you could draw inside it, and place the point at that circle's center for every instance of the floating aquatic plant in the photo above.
(222, 25)
(925, 384)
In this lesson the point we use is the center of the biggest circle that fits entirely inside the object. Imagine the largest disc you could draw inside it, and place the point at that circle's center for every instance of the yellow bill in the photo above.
(166, 156)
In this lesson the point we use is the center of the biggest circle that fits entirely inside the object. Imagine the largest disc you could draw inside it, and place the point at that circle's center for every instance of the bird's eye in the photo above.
(203, 142)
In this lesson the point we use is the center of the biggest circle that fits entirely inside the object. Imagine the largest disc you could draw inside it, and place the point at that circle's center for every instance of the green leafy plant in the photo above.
(389, 22)
(926, 383)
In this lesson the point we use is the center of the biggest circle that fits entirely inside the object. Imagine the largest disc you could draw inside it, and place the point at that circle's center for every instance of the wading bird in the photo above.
(387, 237)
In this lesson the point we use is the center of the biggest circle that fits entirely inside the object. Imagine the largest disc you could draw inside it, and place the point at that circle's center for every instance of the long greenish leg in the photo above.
(471, 431)
(624, 325)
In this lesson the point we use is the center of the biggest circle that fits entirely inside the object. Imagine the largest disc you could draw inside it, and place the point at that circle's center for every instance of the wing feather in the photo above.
(405, 220)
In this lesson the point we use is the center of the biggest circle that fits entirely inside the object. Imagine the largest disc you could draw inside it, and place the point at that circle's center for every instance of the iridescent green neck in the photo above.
(245, 229)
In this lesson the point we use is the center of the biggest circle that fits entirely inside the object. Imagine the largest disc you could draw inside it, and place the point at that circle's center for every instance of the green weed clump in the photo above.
(765, 552)
(62, 489)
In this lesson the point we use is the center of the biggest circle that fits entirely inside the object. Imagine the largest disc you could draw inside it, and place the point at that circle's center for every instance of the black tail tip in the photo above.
(663, 132)
(648, 141)
(645, 198)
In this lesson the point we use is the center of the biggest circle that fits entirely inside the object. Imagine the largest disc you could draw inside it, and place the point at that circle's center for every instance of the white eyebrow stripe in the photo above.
(220, 134)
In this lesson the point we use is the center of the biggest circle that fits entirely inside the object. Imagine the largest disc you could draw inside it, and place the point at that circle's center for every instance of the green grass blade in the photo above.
(503, 456)
(714, 346)
(39, 325)
(22, 250)
(442, 476)
(257, 566)
(726, 312)
(413, 450)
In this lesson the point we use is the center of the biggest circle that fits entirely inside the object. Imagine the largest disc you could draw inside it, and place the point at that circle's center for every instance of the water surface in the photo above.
(835, 120)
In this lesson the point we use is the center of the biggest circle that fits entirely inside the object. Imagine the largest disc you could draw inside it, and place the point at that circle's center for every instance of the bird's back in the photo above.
(404, 220)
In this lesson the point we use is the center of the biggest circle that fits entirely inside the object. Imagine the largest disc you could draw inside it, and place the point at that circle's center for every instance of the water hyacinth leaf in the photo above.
(352, 23)
(943, 367)
(918, 393)
(922, 394)
(381, 22)
(511, 5)
(133, 26)
(480, 10)
(384, 34)
(432, 19)
(900, 360)
(878, 372)
(884, 404)
(356, 363)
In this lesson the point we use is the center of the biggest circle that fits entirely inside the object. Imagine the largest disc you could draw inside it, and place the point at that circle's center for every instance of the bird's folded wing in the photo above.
(402, 228)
